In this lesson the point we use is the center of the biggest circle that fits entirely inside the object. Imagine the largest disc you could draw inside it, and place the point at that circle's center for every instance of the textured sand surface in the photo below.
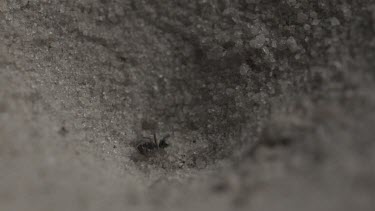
(270, 104)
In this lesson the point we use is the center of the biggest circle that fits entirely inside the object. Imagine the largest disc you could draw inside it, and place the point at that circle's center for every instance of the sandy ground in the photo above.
(270, 105)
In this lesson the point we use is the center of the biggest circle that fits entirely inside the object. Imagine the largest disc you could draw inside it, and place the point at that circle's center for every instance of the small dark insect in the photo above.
(149, 147)
(63, 131)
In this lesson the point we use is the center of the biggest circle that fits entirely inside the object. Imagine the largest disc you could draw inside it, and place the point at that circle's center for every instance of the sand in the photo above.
(269, 105)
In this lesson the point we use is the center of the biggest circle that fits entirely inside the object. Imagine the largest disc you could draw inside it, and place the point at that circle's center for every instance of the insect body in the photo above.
(149, 147)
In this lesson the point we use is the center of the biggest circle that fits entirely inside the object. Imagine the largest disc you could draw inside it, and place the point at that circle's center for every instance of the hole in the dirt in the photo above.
(197, 106)
(209, 73)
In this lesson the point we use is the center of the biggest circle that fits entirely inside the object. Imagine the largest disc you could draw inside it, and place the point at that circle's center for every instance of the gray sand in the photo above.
(270, 104)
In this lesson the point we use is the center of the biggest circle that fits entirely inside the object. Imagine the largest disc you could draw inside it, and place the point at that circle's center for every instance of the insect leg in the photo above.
(156, 141)
(165, 137)
(147, 138)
